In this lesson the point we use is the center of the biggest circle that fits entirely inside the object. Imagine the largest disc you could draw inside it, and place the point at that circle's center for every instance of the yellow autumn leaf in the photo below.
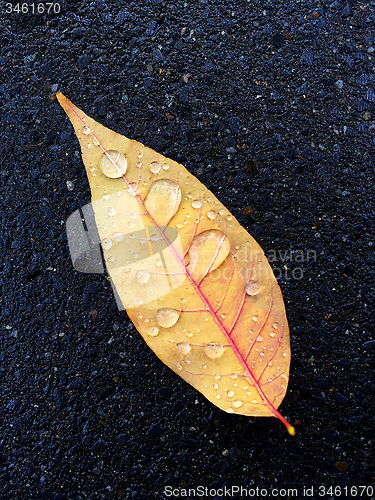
(196, 285)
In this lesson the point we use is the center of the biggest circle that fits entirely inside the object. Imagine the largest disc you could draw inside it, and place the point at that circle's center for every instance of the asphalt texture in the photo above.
(272, 106)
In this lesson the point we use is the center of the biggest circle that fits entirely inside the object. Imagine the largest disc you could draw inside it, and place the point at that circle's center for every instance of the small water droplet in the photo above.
(111, 258)
(217, 376)
(272, 334)
(252, 288)
(111, 211)
(139, 164)
(179, 367)
(167, 317)
(153, 331)
(261, 354)
(269, 380)
(140, 316)
(106, 243)
(221, 212)
(254, 401)
(275, 326)
(159, 262)
(165, 166)
(222, 316)
(284, 354)
(95, 141)
(280, 339)
(86, 130)
(237, 404)
(113, 164)
(189, 334)
(218, 396)
(270, 363)
(211, 215)
(255, 319)
(182, 347)
(179, 225)
(229, 410)
(233, 376)
(142, 277)
(230, 394)
(214, 350)
(196, 204)
(155, 167)
(216, 387)
(229, 217)
(259, 338)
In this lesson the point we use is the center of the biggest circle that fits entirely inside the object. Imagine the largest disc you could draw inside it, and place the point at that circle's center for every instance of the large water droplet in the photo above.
(196, 204)
(163, 201)
(153, 331)
(211, 214)
(207, 252)
(113, 164)
(182, 347)
(214, 350)
(106, 243)
(155, 167)
(167, 317)
(86, 130)
(142, 277)
(252, 288)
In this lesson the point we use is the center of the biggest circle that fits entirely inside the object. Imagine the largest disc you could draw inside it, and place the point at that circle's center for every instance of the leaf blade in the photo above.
(222, 279)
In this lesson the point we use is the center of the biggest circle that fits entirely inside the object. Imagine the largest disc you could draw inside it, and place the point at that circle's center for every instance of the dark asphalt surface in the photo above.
(272, 106)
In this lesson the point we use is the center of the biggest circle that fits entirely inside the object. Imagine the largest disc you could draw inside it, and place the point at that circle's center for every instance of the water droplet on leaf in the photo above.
(153, 331)
(167, 317)
(207, 252)
(196, 204)
(163, 193)
(237, 404)
(142, 277)
(113, 164)
(252, 288)
(106, 243)
(214, 350)
(155, 167)
(85, 130)
(230, 394)
(211, 215)
(182, 347)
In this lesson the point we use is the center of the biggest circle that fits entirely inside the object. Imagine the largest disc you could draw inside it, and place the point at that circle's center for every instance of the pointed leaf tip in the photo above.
(291, 430)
